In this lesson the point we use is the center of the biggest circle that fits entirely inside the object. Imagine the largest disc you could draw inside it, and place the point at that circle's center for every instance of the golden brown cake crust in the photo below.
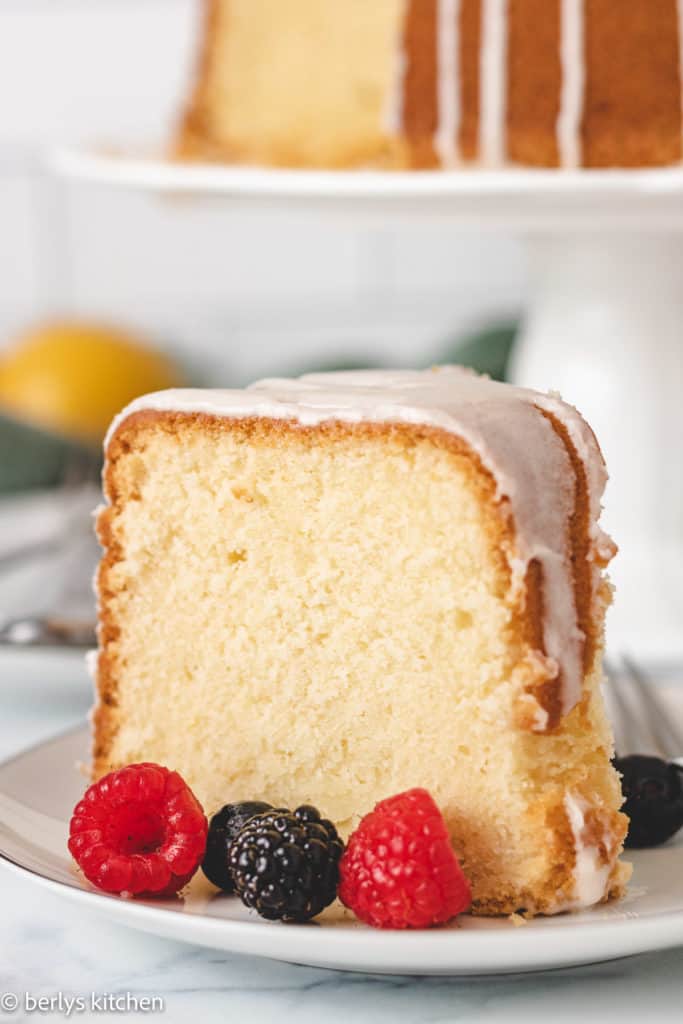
(632, 112)
(548, 691)
(193, 136)
(470, 44)
(419, 83)
(534, 81)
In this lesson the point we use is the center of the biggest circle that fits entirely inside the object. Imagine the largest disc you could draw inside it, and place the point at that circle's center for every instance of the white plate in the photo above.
(39, 788)
(509, 197)
(54, 675)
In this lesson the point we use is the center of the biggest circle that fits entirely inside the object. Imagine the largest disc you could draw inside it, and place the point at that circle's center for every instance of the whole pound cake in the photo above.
(438, 83)
(332, 589)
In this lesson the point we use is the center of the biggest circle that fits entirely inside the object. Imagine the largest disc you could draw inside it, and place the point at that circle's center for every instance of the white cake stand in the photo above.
(604, 327)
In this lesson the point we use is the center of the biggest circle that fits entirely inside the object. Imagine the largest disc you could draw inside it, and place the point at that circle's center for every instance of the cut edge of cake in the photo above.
(520, 449)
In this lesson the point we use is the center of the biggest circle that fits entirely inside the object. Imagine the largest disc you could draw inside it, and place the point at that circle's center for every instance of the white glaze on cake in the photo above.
(591, 874)
(572, 58)
(501, 423)
(392, 119)
(447, 82)
(493, 82)
(679, 7)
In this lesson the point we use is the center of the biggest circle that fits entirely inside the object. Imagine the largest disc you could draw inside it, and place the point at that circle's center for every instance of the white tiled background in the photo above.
(240, 291)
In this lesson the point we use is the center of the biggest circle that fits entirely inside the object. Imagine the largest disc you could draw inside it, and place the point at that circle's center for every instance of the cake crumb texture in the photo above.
(325, 615)
(301, 84)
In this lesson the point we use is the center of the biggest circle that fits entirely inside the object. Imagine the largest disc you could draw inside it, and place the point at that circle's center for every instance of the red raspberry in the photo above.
(140, 830)
(399, 869)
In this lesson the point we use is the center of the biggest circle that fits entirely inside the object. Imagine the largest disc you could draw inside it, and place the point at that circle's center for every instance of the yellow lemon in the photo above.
(72, 377)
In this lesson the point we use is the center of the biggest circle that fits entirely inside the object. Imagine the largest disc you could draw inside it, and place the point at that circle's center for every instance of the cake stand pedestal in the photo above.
(604, 325)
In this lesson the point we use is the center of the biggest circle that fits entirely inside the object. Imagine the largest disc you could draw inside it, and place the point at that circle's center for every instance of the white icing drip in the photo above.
(392, 119)
(541, 719)
(573, 81)
(502, 425)
(586, 446)
(91, 664)
(448, 82)
(91, 667)
(591, 877)
(493, 82)
(679, 7)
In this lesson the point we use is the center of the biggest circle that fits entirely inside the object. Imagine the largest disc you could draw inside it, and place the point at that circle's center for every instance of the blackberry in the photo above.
(223, 828)
(653, 799)
(285, 864)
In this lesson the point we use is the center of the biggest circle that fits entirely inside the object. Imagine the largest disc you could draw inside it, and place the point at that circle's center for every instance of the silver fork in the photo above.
(641, 723)
(650, 758)
(70, 623)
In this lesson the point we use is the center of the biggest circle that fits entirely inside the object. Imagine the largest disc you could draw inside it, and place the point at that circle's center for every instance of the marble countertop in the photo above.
(48, 947)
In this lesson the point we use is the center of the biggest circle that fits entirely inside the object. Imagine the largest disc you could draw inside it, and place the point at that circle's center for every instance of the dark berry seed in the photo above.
(306, 876)
(272, 895)
(336, 850)
(263, 867)
(317, 853)
(316, 830)
(307, 813)
(288, 858)
(297, 902)
(246, 858)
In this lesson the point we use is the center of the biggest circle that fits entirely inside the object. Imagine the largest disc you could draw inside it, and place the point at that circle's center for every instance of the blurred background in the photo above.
(243, 295)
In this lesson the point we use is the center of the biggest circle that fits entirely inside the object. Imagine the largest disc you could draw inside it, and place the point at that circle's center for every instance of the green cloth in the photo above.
(487, 351)
(33, 458)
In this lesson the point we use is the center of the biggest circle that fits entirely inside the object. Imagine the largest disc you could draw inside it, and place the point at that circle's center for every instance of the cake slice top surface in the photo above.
(534, 445)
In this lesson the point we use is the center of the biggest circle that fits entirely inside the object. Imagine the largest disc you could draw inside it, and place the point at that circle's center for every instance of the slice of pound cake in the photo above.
(332, 589)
